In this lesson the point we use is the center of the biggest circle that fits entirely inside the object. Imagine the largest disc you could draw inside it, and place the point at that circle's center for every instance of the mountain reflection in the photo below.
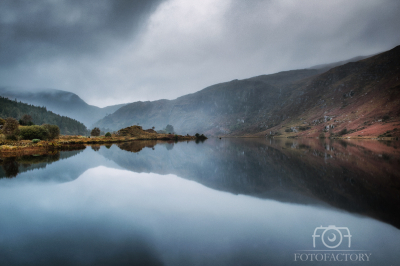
(13, 166)
(356, 176)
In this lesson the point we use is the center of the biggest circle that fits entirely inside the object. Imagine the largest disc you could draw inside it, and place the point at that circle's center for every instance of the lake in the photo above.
(217, 202)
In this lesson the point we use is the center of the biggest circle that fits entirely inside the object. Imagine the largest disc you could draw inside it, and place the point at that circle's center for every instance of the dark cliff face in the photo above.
(360, 92)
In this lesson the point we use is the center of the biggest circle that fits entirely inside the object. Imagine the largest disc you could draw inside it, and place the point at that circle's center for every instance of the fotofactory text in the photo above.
(332, 243)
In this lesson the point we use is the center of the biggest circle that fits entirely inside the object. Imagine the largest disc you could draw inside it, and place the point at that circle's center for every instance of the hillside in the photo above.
(361, 96)
(358, 99)
(40, 115)
(60, 102)
(218, 109)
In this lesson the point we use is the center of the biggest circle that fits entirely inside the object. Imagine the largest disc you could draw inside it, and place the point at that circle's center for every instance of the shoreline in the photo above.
(302, 137)
(9, 148)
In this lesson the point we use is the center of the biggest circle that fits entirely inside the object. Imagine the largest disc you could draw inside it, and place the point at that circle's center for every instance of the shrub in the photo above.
(35, 140)
(385, 118)
(26, 120)
(200, 137)
(108, 135)
(95, 132)
(343, 132)
(303, 128)
(321, 135)
(53, 131)
(11, 128)
(34, 132)
(169, 129)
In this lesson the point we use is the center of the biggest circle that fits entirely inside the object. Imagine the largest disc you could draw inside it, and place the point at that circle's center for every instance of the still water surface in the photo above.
(220, 202)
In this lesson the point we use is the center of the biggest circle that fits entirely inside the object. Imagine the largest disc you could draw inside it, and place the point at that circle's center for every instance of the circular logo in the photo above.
(332, 237)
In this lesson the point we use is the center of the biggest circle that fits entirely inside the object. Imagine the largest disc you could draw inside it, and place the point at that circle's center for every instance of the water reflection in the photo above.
(12, 166)
(57, 167)
(357, 176)
(118, 217)
(135, 203)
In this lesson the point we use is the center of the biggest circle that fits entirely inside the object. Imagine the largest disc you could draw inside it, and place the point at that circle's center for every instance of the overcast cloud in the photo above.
(115, 51)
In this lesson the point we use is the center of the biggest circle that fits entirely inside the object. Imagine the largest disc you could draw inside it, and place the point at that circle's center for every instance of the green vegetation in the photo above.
(54, 131)
(39, 115)
(200, 137)
(35, 140)
(108, 135)
(33, 132)
(43, 132)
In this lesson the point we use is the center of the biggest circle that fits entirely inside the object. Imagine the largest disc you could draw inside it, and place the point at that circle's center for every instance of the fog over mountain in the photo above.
(110, 52)
(60, 102)
(354, 96)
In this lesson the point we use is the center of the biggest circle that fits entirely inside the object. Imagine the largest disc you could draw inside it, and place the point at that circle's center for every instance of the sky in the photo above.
(118, 51)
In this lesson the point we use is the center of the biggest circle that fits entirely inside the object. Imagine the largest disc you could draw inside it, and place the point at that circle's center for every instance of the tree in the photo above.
(95, 132)
(26, 120)
(10, 128)
(108, 135)
(169, 129)
(34, 132)
(54, 131)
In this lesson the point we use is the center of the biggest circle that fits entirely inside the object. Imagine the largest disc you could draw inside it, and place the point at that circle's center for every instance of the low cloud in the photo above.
(111, 52)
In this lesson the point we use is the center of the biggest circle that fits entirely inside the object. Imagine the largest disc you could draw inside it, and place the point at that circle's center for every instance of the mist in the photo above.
(111, 52)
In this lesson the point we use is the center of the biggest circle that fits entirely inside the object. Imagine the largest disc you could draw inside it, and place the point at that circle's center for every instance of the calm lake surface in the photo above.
(218, 202)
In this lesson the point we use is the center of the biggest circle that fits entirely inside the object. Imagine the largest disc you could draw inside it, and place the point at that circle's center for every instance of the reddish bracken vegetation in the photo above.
(356, 100)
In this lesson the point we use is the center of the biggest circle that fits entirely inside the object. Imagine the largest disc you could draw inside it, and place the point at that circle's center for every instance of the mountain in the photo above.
(216, 109)
(357, 99)
(326, 67)
(40, 115)
(359, 96)
(60, 102)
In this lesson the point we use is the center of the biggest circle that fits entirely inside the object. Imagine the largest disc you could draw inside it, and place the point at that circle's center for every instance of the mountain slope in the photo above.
(217, 109)
(40, 115)
(60, 102)
(326, 67)
(357, 99)
(302, 102)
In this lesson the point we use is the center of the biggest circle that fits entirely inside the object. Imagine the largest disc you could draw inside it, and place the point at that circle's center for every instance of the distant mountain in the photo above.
(365, 91)
(325, 67)
(218, 109)
(40, 115)
(60, 102)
